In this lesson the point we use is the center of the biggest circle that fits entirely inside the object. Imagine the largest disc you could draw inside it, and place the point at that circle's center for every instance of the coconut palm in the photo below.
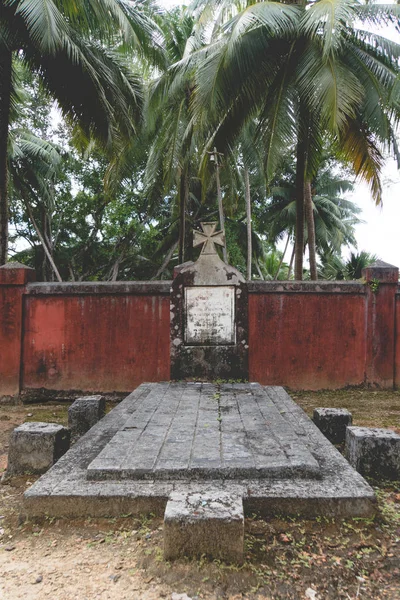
(173, 151)
(335, 267)
(305, 71)
(335, 217)
(33, 165)
(64, 43)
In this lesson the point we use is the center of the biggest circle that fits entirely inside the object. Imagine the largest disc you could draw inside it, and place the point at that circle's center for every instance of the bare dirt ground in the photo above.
(118, 559)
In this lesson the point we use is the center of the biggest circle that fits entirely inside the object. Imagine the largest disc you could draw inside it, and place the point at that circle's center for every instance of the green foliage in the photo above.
(335, 267)
(272, 75)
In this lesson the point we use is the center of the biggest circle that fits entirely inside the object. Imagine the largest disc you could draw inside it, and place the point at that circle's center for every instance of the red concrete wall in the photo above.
(95, 342)
(397, 342)
(110, 337)
(307, 340)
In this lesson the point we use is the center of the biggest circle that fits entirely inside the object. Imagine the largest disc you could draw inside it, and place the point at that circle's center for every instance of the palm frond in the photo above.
(359, 148)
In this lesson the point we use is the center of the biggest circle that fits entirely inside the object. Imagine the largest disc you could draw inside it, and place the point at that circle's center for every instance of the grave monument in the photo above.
(203, 453)
(209, 315)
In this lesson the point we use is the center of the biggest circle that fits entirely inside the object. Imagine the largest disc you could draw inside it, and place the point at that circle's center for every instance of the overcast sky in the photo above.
(380, 234)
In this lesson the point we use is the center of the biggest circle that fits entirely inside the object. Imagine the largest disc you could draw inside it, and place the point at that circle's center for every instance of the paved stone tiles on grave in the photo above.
(203, 431)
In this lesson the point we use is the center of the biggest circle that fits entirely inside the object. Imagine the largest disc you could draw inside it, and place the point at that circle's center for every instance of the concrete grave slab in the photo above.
(35, 447)
(209, 523)
(66, 489)
(200, 433)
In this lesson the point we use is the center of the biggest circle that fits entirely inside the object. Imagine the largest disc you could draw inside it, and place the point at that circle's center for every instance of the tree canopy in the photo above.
(261, 114)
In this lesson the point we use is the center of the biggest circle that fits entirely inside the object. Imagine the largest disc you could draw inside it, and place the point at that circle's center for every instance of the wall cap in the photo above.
(308, 287)
(139, 288)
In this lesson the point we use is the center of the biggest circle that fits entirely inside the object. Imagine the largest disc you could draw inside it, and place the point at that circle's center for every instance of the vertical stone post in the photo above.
(381, 281)
(13, 278)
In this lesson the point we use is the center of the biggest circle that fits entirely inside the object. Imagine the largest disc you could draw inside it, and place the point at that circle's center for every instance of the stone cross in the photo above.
(209, 238)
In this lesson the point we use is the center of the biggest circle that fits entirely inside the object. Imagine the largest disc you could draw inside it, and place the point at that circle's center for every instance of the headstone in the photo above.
(332, 422)
(374, 452)
(209, 315)
(84, 413)
(35, 447)
(204, 524)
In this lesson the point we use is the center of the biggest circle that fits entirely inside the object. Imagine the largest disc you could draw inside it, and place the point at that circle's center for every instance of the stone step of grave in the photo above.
(332, 422)
(205, 432)
(36, 446)
(374, 452)
(85, 412)
(204, 523)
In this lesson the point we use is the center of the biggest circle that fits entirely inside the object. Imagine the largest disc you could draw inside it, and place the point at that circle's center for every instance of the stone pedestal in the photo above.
(209, 316)
(210, 524)
(35, 447)
(84, 413)
(332, 422)
(374, 452)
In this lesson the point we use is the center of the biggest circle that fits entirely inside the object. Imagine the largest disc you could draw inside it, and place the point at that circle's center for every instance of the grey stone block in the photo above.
(332, 422)
(208, 523)
(84, 413)
(374, 452)
(35, 447)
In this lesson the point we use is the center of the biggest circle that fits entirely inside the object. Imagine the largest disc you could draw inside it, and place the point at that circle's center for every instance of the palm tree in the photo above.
(333, 215)
(33, 165)
(305, 71)
(64, 44)
(334, 267)
(172, 150)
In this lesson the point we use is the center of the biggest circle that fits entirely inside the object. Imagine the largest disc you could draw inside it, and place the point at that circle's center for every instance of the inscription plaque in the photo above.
(210, 315)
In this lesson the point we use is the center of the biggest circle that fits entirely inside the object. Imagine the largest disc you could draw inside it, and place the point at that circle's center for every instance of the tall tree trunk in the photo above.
(183, 201)
(248, 214)
(291, 263)
(259, 270)
(166, 261)
(282, 257)
(42, 241)
(300, 175)
(5, 95)
(310, 229)
(220, 205)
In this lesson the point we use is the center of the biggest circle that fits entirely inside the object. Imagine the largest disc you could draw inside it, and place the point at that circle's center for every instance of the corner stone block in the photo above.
(382, 272)
(15, 273)
(35, 447)
(332, 422)
(374, 452)
(84, 413)
(210, 524)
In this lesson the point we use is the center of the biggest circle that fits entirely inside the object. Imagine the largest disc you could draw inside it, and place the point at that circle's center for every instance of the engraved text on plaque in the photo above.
(210, 315)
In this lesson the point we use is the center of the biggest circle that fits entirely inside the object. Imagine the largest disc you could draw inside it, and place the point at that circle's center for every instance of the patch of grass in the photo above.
(370, 408)
(48, 413)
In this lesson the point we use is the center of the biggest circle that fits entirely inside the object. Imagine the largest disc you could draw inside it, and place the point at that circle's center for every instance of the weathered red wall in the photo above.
(397, 342)
(109, 337)
(95, 342)
(306, 339)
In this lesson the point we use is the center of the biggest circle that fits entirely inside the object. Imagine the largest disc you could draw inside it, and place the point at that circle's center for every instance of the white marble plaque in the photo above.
(210, 315)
